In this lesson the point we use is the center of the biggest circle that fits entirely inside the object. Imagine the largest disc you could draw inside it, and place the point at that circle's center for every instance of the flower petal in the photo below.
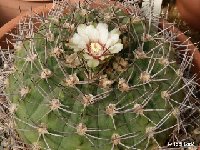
(81, 29)
(92, 33)
(86, 56)
(116, 48)
(113, 38)
(76, 38)
(93, 63)
(79, 41)
(103, 32)
(115, 31)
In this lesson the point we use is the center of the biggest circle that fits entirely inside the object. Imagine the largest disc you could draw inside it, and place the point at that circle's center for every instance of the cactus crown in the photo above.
(95, 78)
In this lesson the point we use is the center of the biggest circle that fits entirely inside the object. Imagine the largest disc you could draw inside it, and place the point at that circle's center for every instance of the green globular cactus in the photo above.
(95, 78)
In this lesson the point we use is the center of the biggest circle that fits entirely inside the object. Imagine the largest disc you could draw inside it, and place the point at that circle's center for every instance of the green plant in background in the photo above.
(95, 78)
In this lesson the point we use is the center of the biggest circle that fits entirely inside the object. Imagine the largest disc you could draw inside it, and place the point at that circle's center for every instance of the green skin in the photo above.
(33, 109)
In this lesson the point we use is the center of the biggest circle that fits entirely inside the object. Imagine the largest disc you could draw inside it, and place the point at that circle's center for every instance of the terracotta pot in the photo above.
(190, 12)
(12, 24)
(12, 8)
(181, 38)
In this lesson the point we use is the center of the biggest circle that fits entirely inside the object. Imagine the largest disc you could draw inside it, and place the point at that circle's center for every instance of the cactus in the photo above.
(95, 78)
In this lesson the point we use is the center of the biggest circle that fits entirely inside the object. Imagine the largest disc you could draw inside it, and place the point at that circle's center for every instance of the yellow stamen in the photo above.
(95, 47)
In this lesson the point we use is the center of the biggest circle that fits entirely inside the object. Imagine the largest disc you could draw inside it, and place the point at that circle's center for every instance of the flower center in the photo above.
(95, 47)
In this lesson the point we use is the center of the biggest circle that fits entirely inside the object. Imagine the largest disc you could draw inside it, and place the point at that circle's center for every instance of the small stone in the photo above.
(46, 73)
(81, 129)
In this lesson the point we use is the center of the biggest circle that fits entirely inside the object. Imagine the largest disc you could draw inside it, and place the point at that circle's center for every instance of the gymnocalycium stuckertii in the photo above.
(95, 77)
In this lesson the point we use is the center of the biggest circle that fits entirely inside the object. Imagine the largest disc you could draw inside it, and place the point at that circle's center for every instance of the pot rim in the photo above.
(13, 23)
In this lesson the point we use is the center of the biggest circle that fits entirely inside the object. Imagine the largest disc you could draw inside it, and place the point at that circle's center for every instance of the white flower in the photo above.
(96, 43)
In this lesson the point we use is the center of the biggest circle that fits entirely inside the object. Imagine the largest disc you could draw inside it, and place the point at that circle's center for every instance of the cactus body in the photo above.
(131, 100)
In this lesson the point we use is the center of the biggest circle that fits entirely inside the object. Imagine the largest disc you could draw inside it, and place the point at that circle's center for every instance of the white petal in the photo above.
(85, 38)
(86, 56)
(114, 38)
(76, 38)
(73, 46)
(116, 48)
(79, 41)
(115, 31)
(103, 32)
(82, 45)
(102, 57)
(92, 33)
(93, 63)
(81, 29)
(77, 49)
(82, 32)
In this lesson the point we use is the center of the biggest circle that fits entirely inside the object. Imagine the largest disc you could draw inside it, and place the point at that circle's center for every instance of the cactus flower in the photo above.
(96, 43)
